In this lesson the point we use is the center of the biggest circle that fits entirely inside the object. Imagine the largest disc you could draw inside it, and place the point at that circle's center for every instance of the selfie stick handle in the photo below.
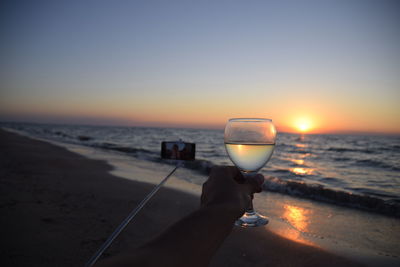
(131, 215)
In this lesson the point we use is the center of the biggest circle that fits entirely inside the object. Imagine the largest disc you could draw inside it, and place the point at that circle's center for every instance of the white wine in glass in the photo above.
(250, 143)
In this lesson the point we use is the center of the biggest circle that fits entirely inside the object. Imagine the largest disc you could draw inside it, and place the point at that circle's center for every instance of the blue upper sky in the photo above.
(108, 58)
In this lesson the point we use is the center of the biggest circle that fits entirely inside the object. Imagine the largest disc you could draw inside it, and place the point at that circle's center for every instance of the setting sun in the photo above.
(303, 124)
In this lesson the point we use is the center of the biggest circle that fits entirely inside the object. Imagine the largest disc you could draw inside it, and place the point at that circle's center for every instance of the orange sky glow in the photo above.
(320, 117)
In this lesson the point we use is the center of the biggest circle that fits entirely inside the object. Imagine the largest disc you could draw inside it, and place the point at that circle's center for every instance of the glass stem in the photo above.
(249, 175)
(250, 208)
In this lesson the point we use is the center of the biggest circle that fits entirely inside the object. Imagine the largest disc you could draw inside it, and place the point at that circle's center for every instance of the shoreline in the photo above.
(73, 201)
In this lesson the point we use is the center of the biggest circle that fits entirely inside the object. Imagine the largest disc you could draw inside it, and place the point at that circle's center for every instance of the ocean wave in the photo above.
(211, 153)
(395, 148)
(84, 138)
(320, 193)
(392, 148)
(57, 133)
(301, 151)
(375, 163)
(342, 159)
(343, 149)
(331, 180)
(124, 149)
(281, 171)
(282, 146)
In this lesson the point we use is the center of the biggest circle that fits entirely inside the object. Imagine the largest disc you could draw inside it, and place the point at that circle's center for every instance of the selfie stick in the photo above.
(131, 215)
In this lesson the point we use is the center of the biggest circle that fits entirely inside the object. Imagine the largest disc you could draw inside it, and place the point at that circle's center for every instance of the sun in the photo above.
(303, 124)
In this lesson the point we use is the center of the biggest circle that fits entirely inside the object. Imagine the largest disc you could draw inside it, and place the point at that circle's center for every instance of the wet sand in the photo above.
(58, 207)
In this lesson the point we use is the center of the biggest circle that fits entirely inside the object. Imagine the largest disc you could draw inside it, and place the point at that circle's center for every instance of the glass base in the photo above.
(251, 219)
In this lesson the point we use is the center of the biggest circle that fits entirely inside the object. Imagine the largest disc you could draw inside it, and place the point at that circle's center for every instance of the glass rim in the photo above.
(249, 120)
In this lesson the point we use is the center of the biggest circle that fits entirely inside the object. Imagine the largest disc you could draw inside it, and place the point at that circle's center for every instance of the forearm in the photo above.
(196, 237)
(190, 242)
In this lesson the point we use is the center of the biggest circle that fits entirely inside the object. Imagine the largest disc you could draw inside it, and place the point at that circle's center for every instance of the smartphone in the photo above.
(178, 150)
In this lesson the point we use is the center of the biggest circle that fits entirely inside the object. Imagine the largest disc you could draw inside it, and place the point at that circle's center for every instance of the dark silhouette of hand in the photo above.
(227, 187)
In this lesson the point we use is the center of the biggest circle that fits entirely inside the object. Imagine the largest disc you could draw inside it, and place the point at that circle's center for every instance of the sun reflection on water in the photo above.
(299, 220)
(306, 155)
(297, 161)
(301, 145)
(297, 217)
(302, 171)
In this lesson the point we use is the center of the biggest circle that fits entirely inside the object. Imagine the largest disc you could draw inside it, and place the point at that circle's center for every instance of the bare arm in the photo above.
(193, 240)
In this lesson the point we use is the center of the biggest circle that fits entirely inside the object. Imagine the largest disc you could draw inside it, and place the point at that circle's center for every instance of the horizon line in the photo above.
(202, 127)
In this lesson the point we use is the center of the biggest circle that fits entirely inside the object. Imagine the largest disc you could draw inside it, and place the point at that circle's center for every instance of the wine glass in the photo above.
(249, 143)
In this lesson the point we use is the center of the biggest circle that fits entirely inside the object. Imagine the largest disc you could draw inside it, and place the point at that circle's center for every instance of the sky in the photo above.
(320, 66)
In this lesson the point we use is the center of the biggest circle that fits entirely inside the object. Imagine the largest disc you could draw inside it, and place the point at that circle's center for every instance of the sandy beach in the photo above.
(58, 207)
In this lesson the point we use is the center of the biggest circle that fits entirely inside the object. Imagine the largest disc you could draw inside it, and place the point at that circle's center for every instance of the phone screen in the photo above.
(178, 150)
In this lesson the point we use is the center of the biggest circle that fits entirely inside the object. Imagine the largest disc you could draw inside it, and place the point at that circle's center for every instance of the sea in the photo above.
(357, 171)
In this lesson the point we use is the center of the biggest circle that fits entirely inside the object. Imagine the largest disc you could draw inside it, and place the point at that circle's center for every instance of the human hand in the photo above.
(227, 187)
